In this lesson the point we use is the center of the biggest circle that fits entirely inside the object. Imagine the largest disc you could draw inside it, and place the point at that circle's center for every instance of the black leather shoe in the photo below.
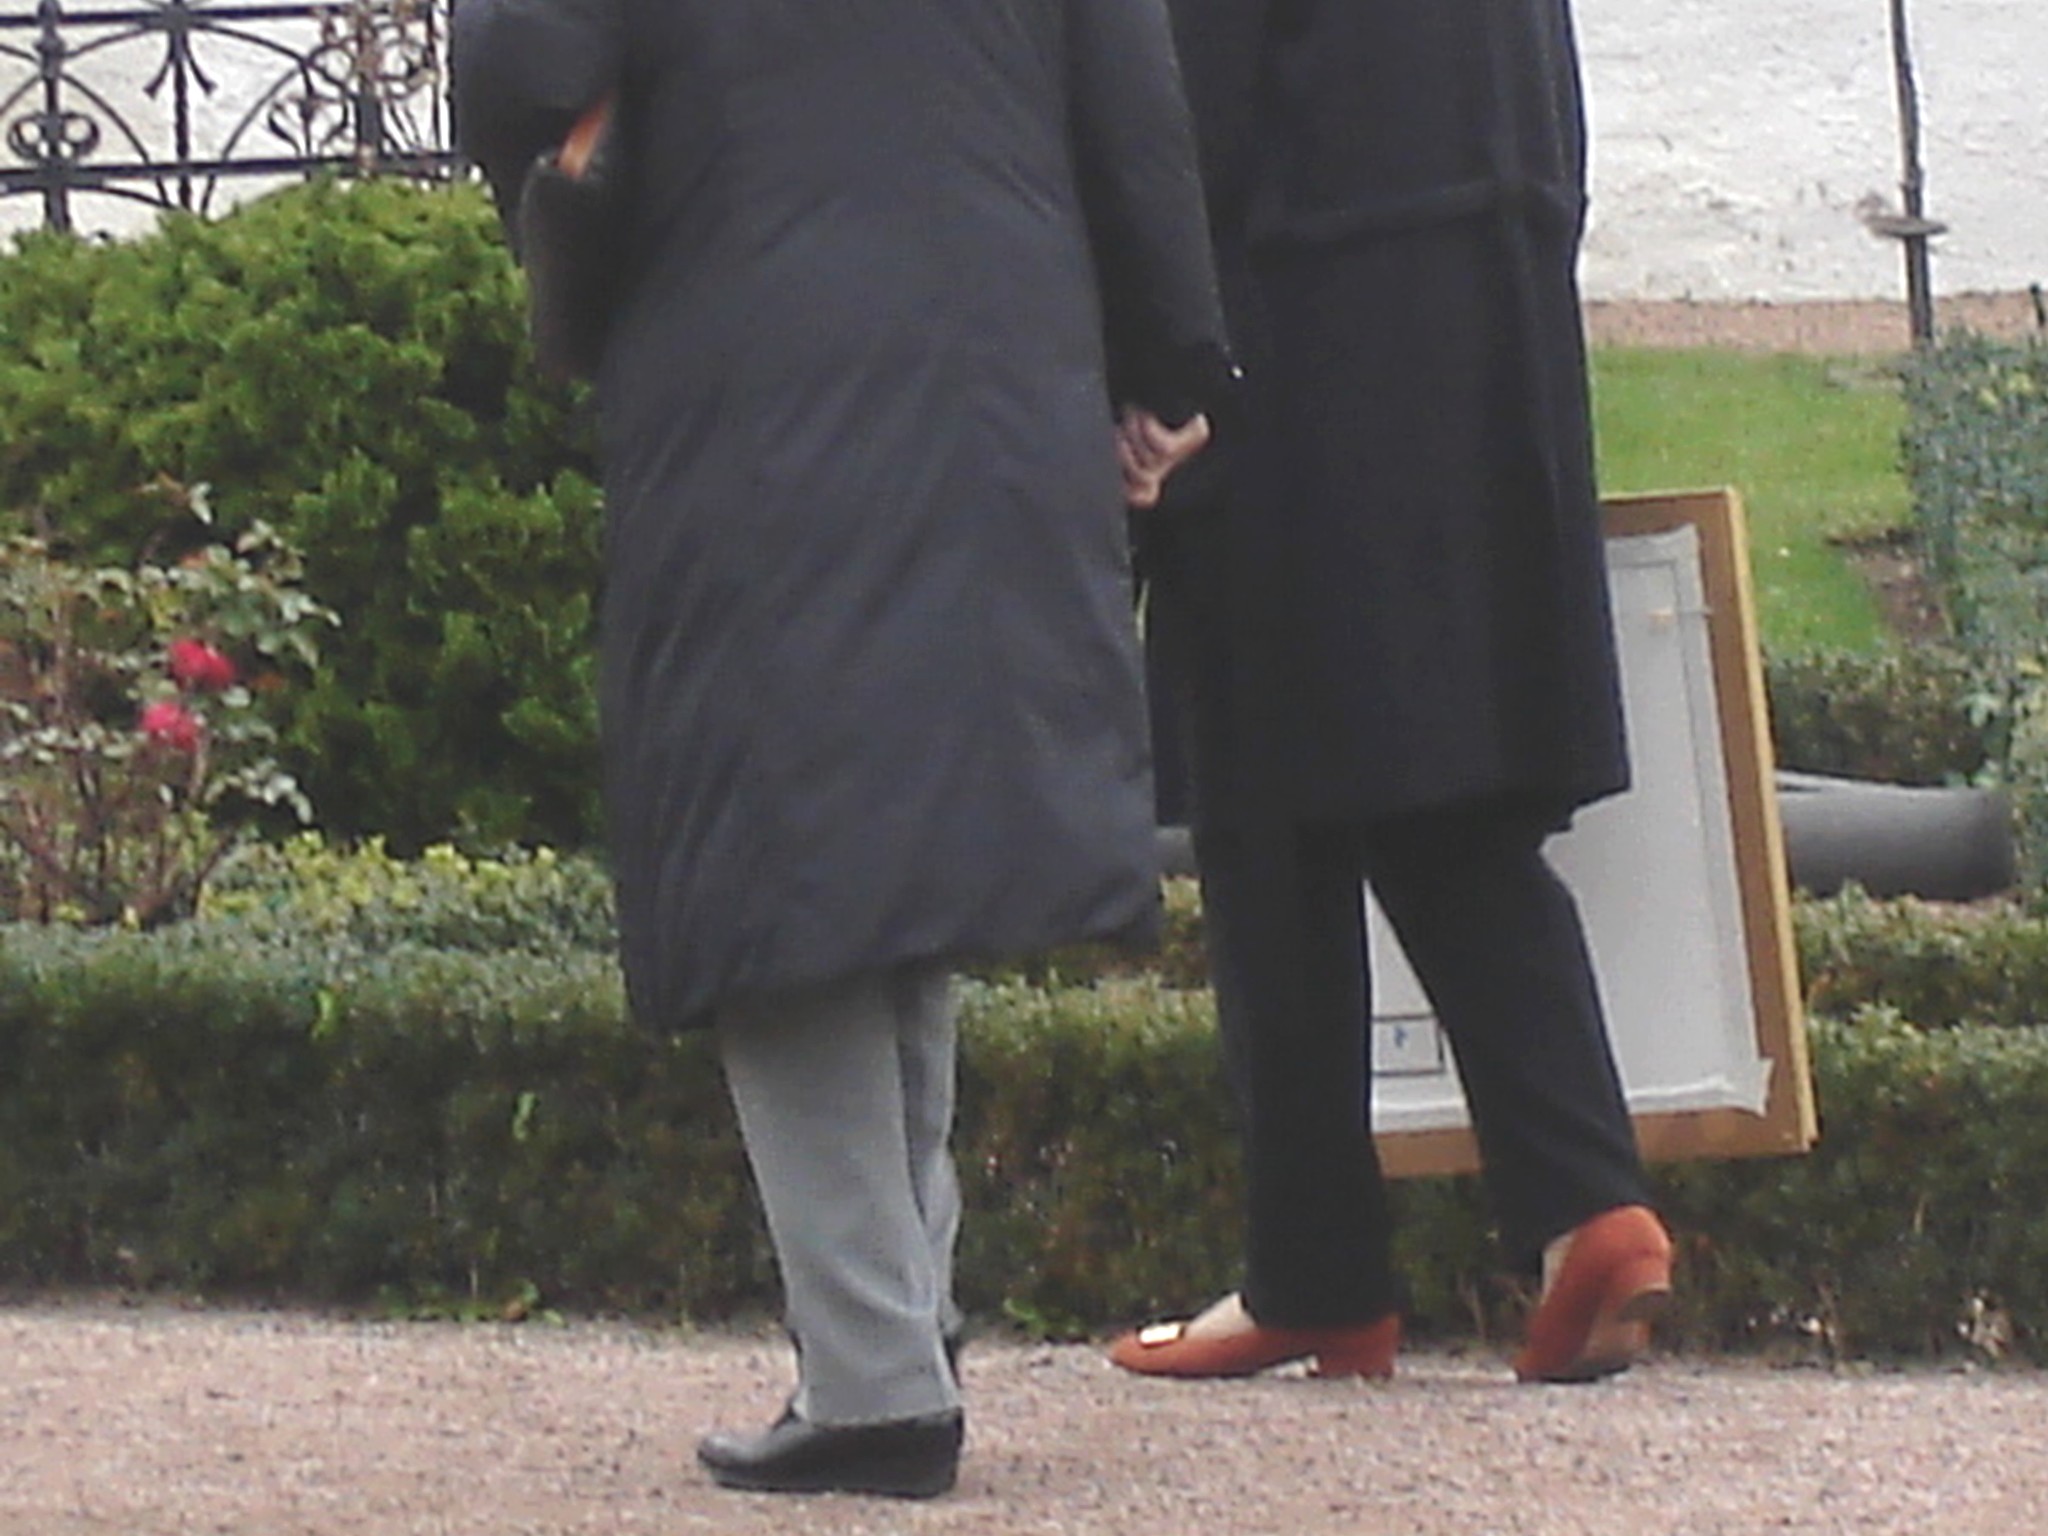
(903, 1458)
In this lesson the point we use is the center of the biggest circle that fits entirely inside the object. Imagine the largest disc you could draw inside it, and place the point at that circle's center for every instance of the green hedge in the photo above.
(204, 1110)
(349, 363)
(1976, 454)
(1914, 1229)
(1938, 964)
(307, 890)
(1914, 715)
(198, 1109)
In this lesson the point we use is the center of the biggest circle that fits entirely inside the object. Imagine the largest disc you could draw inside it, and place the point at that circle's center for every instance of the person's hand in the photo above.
(1148, 450)
(580, 147)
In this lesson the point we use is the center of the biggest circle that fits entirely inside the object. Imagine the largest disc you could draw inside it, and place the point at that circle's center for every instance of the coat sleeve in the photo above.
(1134, 153)
(1222, 47)
(1223, 51)
(521, 72)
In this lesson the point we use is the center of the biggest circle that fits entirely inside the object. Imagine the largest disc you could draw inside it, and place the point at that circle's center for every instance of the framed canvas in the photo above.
(1681, 880)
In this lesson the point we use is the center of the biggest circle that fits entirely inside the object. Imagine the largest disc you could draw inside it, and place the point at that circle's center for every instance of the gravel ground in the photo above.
(150, 1421)
(122, 1419)
(1843, 328)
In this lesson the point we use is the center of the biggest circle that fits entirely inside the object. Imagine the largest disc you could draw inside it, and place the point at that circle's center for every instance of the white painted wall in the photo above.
(1732, 140)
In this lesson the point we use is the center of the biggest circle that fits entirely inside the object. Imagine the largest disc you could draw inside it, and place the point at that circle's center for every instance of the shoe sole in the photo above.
(1616, 1341)
(1333, 1353)
(911, 1483)
(1613, 1297)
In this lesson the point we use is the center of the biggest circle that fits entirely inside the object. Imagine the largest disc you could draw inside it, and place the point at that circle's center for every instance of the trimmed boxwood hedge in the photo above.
(1913, 715)
(1976, 457)
(208, 1109)
(1938, 964)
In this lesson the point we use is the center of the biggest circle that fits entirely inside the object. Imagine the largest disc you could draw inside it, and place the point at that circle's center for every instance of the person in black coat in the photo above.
(1381, 600)
(870, 683)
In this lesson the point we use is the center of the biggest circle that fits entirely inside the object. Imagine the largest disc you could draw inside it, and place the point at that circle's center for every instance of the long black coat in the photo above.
(1409, 537)
(870, 684)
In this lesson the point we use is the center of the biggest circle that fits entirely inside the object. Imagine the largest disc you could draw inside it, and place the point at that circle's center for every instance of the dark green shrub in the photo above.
(347, 362)
(1914, 715)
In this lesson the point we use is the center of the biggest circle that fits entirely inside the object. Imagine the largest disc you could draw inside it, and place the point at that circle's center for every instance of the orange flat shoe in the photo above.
(1226, 1341)
(1605, 1282)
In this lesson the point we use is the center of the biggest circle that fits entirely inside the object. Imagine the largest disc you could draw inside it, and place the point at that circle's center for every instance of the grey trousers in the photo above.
(845, 1100)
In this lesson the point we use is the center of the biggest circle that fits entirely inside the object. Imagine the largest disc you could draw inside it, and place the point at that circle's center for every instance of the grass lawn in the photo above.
(1812, 445)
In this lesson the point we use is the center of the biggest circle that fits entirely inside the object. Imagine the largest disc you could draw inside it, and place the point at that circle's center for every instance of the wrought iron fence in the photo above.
(168, 103)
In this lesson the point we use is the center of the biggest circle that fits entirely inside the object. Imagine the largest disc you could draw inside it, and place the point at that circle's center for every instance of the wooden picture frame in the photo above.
(1681, 880)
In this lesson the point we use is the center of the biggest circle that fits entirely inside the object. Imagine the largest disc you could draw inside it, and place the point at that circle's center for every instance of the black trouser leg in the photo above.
(1285, 937)
(1495, 938)
(1285, 929)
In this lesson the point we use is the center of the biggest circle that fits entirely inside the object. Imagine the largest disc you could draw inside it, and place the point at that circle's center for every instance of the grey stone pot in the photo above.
(1896, 839)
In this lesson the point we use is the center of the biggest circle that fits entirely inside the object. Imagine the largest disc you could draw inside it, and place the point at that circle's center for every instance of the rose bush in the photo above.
(133, 754)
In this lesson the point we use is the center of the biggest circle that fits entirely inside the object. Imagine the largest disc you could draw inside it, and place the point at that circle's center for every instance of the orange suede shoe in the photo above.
(1226, 1341)
(1604, 1283)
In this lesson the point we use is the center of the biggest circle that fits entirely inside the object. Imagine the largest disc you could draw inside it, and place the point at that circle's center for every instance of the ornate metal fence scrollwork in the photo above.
(163, 103)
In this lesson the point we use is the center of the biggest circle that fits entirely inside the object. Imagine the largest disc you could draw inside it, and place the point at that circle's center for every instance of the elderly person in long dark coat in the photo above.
(870, 680)
(1382, 597)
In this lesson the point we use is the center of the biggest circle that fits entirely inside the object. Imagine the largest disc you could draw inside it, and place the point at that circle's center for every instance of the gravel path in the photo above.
(1840, 328)
(154, 1421)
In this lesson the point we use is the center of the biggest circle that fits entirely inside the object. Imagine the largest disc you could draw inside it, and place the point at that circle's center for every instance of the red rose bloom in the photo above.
(168, 723)
(195, 664)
